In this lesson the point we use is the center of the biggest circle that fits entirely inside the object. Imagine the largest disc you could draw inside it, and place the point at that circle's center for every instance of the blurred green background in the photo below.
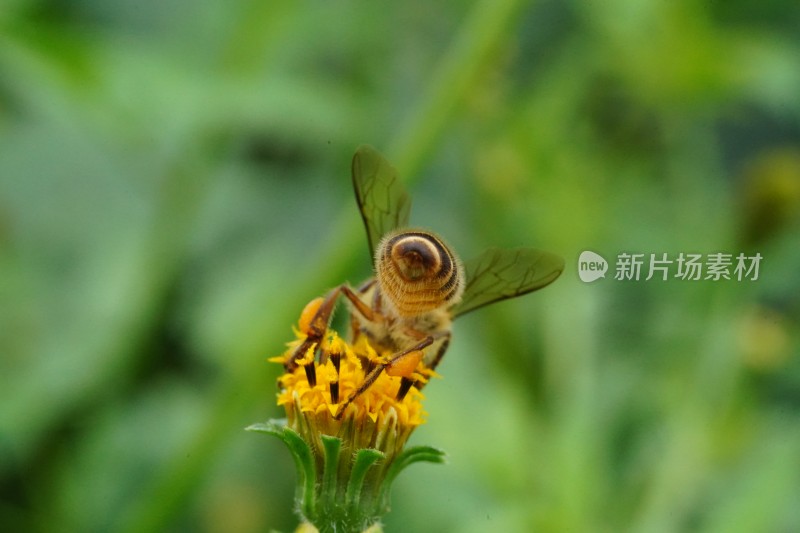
(174, 187)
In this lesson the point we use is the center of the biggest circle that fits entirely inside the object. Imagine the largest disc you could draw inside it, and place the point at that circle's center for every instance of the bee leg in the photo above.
(376, 372)
(442, 349)
(314, 331)
(318, 325)
(355, 323)
(358, 304)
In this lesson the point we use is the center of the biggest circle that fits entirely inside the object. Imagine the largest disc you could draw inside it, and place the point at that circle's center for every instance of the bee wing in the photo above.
(382, 199)
(498, 274)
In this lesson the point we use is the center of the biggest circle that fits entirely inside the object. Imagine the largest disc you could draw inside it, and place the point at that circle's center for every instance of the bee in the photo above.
(420, 285)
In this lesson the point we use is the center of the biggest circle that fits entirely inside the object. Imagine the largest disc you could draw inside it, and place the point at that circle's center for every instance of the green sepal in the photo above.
(303, 460)
(353, 492)
(332, 447)
(406, 458)
(364, 459)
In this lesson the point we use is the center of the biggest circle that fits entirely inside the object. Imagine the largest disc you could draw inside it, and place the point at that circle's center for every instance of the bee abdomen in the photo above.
(418, 272)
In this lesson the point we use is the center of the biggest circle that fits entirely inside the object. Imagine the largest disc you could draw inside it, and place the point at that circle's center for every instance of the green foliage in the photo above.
(174, 187)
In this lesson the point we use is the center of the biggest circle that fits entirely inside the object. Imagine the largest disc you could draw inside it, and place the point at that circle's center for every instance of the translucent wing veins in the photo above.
(498, 274)
(382, 200)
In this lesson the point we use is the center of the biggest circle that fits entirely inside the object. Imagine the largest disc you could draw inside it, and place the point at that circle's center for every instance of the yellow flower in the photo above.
(345, 464)
(311, 406)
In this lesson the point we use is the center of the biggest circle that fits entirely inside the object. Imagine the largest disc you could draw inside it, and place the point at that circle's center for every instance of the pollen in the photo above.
(406, 365)
(306, 317)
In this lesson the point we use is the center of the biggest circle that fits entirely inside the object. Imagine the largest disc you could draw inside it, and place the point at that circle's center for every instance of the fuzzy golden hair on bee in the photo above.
(418, 272)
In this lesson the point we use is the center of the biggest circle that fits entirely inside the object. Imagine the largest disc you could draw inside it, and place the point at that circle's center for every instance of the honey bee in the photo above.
(420, 284)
